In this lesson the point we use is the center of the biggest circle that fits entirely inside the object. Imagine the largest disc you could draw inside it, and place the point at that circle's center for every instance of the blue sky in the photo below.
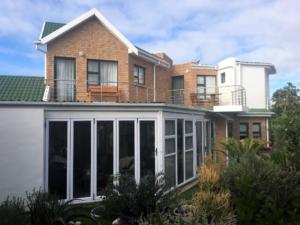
(205, 30)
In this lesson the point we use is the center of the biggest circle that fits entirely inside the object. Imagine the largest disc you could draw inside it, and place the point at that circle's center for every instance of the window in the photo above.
(82, 159)
(199, 144)
(256, 130)
(223, 78)
(105, 143)
(170, 153)
(243, 130)
(139, 74)
(189, 166)
(57, 168)
(206, 86)
(64, 79)
(147, 148)
(103, 73)
(126, 147)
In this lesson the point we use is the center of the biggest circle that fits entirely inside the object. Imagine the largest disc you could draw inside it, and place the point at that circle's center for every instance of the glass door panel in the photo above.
(126, 147)
(180, 162)
(82, 159)
(57, 161)
(199, 144)
(104, 153)
(147, 148)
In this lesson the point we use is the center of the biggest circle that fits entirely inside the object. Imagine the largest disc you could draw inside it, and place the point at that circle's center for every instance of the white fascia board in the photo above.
(229, 108)
(84, 17)
(153, 59)
(42, 30)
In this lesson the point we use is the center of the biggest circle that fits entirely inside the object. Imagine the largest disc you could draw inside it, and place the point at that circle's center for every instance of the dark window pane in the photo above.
(256, 130)
(208, 137)
(170, 172)
(188, 143)
(170, 146)
(170, 127)
(199, 142)
(189, 165)
(230, 130)
(126, 147)
(180, 161)
(82, 159)
(104, 153)
(147, 147)
(243, 130)
(188, 127)
(57, 180)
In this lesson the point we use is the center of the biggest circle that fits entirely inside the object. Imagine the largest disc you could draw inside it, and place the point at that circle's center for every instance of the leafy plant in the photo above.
(12, 212)
(130, 201)
(47, 209)
(234, 149)
(262, 192)
(211, 205)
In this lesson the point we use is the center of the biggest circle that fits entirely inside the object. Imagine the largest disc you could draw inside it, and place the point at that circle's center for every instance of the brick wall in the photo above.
(94, 41)
(250, 121)
(190, 79)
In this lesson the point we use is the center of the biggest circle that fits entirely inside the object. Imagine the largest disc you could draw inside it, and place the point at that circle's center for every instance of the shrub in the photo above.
(130, 201)
(211, 205)
(12, 212)
(234, 149)
(261, 192)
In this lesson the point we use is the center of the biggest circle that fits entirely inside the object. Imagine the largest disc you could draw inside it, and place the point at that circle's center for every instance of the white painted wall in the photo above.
(254, 81)
(253, 78)
(21, 150)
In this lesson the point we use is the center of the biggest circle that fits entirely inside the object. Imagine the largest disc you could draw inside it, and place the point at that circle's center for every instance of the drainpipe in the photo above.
(37, 47)
(154, 82)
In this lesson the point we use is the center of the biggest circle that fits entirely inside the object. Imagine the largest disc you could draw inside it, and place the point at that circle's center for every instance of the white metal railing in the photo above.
(224, 95)
(110, 91)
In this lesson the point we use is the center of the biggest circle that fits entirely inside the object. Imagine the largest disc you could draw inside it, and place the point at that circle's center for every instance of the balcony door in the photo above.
(178, 90)
(64, 79)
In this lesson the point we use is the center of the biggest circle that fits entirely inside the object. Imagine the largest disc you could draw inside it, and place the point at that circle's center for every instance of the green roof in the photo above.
(50, 27)
(21, 88)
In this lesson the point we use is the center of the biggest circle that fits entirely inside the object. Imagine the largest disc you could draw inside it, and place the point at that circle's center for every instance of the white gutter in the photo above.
(154, 82)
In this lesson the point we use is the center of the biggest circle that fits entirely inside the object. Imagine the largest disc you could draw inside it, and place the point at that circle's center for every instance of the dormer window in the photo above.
(103, 73)
(223, 79)
(139, 74)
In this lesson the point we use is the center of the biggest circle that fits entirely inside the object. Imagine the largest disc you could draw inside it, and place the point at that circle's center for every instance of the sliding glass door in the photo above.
(81, 159)
(105, 150)
(82, 154)
(57, 158)
(127, 147)
(147, 147)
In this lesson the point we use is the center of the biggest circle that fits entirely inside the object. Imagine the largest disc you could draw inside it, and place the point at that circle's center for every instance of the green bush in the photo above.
(234, 149)
(262, 192)
(12, 212)
(130, 201)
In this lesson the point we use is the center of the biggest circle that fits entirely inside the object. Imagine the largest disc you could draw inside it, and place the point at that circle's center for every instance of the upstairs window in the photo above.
(244, 131)
(206, 86)
(256, 130)
(104, 73)
(139, 74)
(223, 79)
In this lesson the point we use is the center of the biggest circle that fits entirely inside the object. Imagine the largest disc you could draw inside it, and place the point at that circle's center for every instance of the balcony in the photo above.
(220, 99)
(81, 91)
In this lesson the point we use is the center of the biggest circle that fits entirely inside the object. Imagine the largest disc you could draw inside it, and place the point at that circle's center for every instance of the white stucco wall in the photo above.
(21, 150)
(254, 81)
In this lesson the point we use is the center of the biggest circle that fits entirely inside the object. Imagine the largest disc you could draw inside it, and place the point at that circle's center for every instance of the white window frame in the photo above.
(187, 150)
(71, 175)
(166, 137)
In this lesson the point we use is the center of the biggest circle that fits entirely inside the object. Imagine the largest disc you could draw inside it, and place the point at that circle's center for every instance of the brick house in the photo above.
(106, 106)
